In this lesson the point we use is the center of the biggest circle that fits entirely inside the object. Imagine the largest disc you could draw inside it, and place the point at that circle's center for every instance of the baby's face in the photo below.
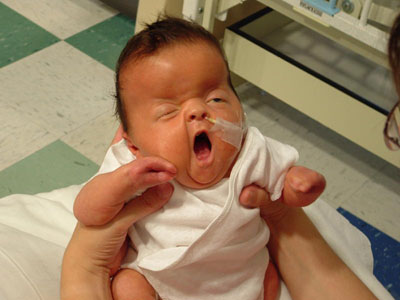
(167, 97)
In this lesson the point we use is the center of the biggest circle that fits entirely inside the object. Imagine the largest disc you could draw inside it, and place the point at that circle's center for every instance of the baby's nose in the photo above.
(197, 113)
(198, 116)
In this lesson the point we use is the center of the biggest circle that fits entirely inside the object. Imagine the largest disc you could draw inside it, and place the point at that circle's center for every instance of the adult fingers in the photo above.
(116, 263)
(253, 196)
(150, 201)
(271, 282)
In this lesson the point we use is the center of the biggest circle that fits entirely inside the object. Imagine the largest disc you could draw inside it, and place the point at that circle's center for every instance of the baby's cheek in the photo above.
(177, 155)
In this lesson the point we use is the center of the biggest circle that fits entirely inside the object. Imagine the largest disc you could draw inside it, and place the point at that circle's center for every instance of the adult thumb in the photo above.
(253, 196)
(150, 201)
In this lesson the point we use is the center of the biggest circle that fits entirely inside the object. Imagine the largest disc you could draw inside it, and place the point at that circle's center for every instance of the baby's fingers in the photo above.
(302, 186)
(150, 171)
(305, 180)
(155, 164)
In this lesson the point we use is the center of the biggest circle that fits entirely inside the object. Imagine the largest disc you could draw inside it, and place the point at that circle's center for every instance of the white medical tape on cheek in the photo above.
(228, 132)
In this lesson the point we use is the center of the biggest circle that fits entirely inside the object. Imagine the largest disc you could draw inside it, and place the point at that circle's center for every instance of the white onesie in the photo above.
(203, 244)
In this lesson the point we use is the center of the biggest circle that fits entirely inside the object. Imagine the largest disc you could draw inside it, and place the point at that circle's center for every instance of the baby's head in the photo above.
(172, 77)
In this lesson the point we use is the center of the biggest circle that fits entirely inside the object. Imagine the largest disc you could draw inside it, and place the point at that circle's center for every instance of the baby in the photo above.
(179, 113)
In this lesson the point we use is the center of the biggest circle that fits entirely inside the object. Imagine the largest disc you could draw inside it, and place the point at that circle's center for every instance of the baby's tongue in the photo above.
(202, 146)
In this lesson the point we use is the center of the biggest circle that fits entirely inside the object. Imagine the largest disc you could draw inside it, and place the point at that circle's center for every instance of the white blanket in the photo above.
(203, 244)
(35, 229)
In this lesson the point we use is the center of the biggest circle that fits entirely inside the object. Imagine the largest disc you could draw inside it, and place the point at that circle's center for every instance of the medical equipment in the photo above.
(357, 21)
(360, 29)
(354, 21)
(327, 7)
(229, 132)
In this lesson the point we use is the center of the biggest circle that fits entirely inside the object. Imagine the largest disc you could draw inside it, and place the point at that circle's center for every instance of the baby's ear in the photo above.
(131, 146)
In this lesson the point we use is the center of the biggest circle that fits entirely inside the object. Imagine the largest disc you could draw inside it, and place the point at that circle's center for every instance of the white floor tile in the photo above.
(378, 201)
(63, 18)
(59, 87)
(93, 138)
(346, 166)
(19, 137)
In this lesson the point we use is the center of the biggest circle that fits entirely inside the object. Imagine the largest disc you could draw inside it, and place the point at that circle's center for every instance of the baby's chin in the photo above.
(198, 178)
(200, 181)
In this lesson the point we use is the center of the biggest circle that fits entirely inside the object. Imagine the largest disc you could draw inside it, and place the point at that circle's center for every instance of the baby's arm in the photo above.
(302, 186)
(104, 196)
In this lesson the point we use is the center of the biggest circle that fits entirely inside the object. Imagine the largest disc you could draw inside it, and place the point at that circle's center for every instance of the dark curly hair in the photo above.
(165, 32)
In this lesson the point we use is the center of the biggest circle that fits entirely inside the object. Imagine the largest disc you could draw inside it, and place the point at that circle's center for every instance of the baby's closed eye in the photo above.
(166, 111)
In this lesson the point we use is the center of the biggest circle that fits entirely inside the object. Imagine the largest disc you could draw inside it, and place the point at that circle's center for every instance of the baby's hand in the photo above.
(302, 186)
(103, 197)
(147, 172)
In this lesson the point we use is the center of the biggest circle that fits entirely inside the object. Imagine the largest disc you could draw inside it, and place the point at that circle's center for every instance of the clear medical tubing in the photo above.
(229, 132)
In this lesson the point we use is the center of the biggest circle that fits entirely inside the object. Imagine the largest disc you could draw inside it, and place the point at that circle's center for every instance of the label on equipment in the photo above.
(310, 8)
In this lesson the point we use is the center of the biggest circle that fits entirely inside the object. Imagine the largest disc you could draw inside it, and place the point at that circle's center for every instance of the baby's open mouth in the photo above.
(202, 146)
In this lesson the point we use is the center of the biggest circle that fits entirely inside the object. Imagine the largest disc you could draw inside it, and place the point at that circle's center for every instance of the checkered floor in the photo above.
(56, 106)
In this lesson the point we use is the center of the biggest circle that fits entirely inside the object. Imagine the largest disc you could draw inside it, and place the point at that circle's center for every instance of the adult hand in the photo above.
(94, 252)
(306, 263)
(302, 187)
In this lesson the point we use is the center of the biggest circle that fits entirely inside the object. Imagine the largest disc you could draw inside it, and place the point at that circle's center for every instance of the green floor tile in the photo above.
(105, 41)
(55, 166)
(19, 37)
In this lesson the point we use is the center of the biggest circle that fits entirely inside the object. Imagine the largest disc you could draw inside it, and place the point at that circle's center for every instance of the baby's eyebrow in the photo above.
(218, 89)
(161, 100)
(156, 102)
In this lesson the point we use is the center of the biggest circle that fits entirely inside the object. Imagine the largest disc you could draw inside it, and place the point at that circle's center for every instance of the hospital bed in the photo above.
(328, 61)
